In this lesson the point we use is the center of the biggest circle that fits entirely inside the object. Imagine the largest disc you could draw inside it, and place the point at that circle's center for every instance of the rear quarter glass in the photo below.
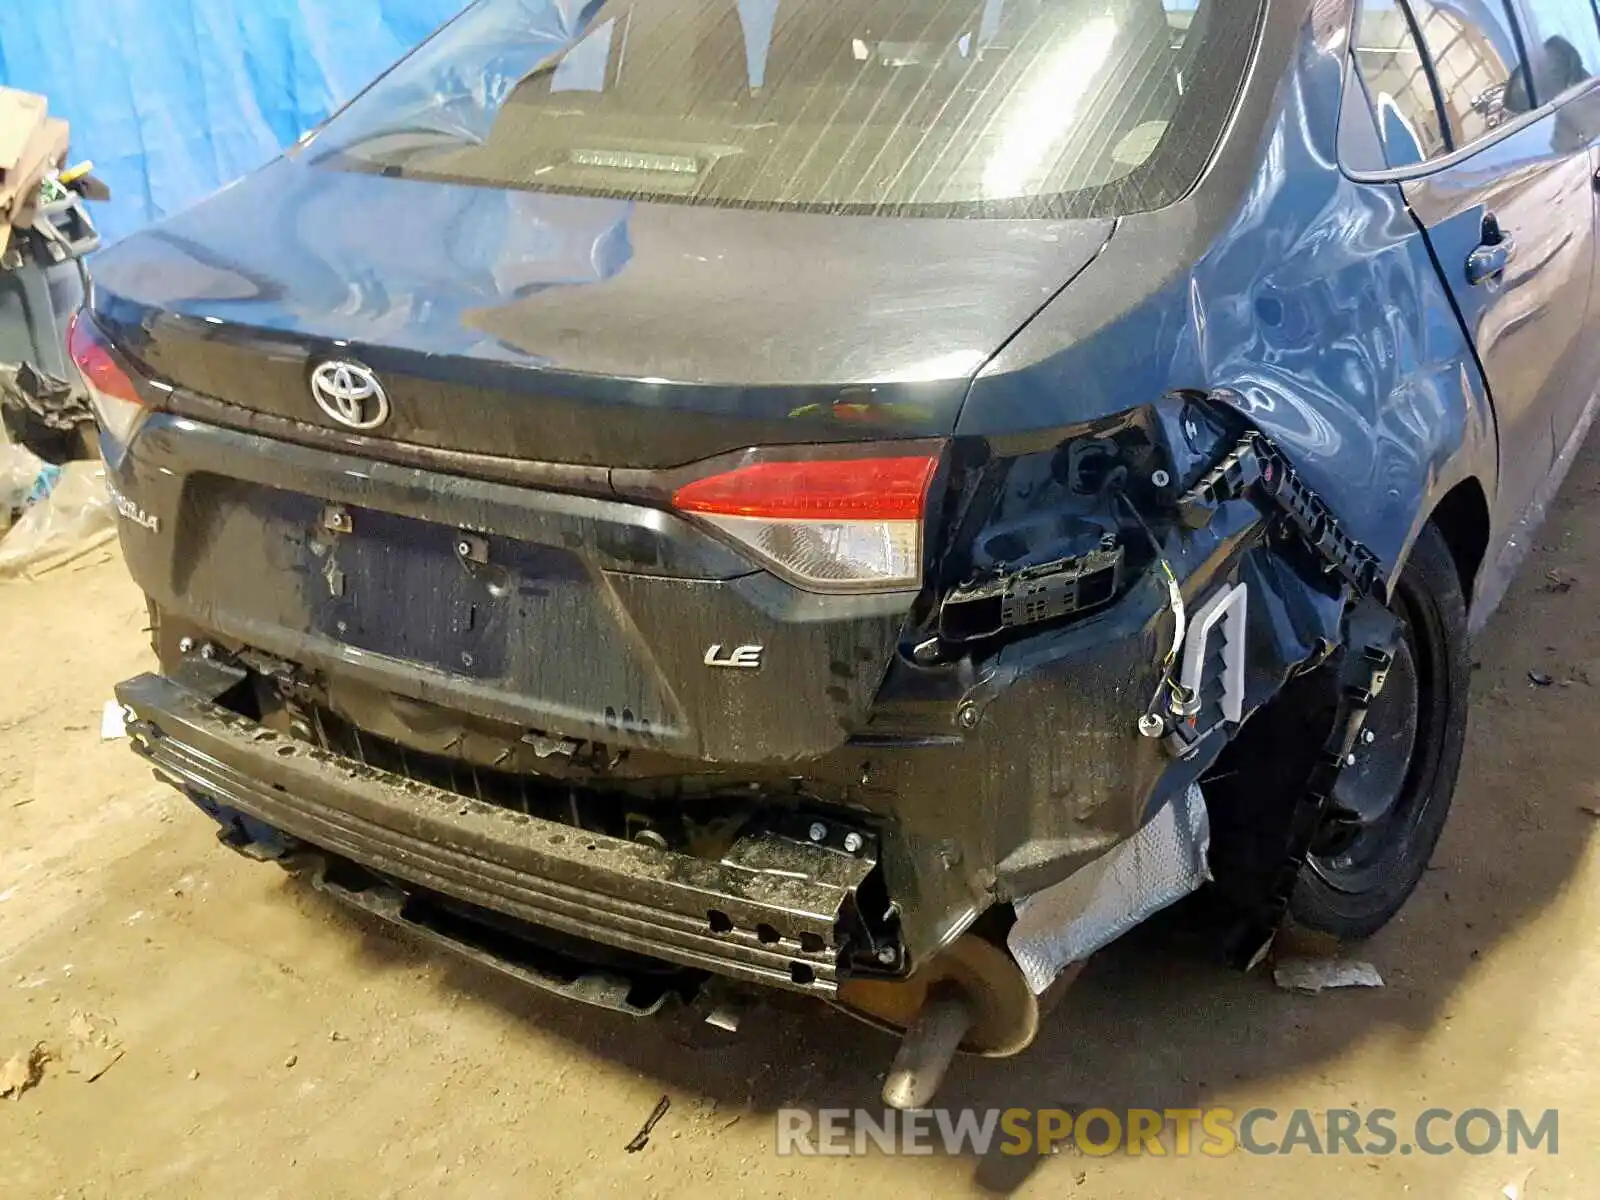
(1002, 108)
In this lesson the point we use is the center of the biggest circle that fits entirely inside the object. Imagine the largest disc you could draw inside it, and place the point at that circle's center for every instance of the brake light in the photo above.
(117, 404)
(100, 370)
(853, 524)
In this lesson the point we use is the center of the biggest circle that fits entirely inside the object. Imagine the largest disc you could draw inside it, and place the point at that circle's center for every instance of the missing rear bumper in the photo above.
(773, 911)
(518, 953)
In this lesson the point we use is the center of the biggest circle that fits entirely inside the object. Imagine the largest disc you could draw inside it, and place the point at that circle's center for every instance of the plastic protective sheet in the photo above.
(73, 519)
(19, 475)
(172, 100)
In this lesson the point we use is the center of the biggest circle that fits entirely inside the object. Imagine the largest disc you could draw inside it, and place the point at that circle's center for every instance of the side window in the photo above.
(1475, 57)
(1392, 67)
(1563, 43)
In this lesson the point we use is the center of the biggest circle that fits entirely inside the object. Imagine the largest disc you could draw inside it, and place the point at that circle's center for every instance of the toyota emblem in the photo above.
(350, 394)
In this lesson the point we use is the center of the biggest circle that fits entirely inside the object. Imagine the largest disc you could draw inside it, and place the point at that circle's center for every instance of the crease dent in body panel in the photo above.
(455, 86)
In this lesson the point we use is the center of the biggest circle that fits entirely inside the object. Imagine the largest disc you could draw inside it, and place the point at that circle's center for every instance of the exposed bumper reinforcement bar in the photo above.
(770, 912)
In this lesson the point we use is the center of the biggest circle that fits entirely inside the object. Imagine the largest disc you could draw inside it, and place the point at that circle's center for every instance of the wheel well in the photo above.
(1463, 518)
(1273, 754)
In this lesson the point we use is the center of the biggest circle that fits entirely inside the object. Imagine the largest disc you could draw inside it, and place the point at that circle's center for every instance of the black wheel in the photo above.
(1393, 800)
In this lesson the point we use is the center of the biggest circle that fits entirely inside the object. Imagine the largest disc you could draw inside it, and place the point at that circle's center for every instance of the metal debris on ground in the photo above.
(1540, 679)
(23, 1070)
(93, 1047)
(642, 1138)
(113, 722)
(1322, 974)
(1517, 1189)
(724, 1017)
(1560, 582)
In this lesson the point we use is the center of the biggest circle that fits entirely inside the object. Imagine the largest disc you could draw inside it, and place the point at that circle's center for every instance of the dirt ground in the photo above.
(274, 1045)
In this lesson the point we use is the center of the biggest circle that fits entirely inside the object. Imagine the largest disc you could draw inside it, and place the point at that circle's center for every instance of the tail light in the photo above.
(836, 525)
(117, 404)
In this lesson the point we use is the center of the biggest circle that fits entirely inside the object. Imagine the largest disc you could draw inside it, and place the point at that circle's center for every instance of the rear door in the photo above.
(1562, 44)
(1508, 206)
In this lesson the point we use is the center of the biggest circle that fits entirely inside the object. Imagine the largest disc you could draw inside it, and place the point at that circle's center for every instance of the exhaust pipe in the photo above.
(929, 1048)
(971, 997)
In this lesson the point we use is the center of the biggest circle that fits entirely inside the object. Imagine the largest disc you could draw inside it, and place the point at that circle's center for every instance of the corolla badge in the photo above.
(132, 512)
(350, 394)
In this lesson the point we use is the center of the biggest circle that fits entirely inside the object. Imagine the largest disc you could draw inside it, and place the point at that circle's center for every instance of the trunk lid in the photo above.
(575, 329)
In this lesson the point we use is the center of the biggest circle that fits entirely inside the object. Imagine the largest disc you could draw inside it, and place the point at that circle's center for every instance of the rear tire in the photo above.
(1351, 890)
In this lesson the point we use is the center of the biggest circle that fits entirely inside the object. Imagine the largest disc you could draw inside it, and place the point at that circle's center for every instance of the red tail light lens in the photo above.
(829, 525)
(100, 370)
(118, 407)
(883, 489)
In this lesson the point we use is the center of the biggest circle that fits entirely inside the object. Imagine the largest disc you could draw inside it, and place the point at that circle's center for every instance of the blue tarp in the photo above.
(173, 98)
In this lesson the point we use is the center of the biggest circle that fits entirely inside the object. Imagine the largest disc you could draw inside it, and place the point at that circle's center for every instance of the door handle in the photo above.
(1493, 254)
(1489, 262)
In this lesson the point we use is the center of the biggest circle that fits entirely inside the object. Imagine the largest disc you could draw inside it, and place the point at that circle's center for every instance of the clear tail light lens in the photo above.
(829, 525)
(117, 405)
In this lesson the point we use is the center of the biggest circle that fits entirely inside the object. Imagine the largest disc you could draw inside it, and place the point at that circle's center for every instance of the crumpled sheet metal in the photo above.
(1068, 921)
(454, 86)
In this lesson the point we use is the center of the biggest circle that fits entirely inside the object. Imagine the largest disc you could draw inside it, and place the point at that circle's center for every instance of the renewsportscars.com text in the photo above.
(1179, 1132)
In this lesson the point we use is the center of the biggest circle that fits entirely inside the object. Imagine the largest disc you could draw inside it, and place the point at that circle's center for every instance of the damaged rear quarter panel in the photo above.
(1308, 303)
(1307, 299)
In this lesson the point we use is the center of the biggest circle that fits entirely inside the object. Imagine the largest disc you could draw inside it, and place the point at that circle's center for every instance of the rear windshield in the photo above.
(905, 107)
